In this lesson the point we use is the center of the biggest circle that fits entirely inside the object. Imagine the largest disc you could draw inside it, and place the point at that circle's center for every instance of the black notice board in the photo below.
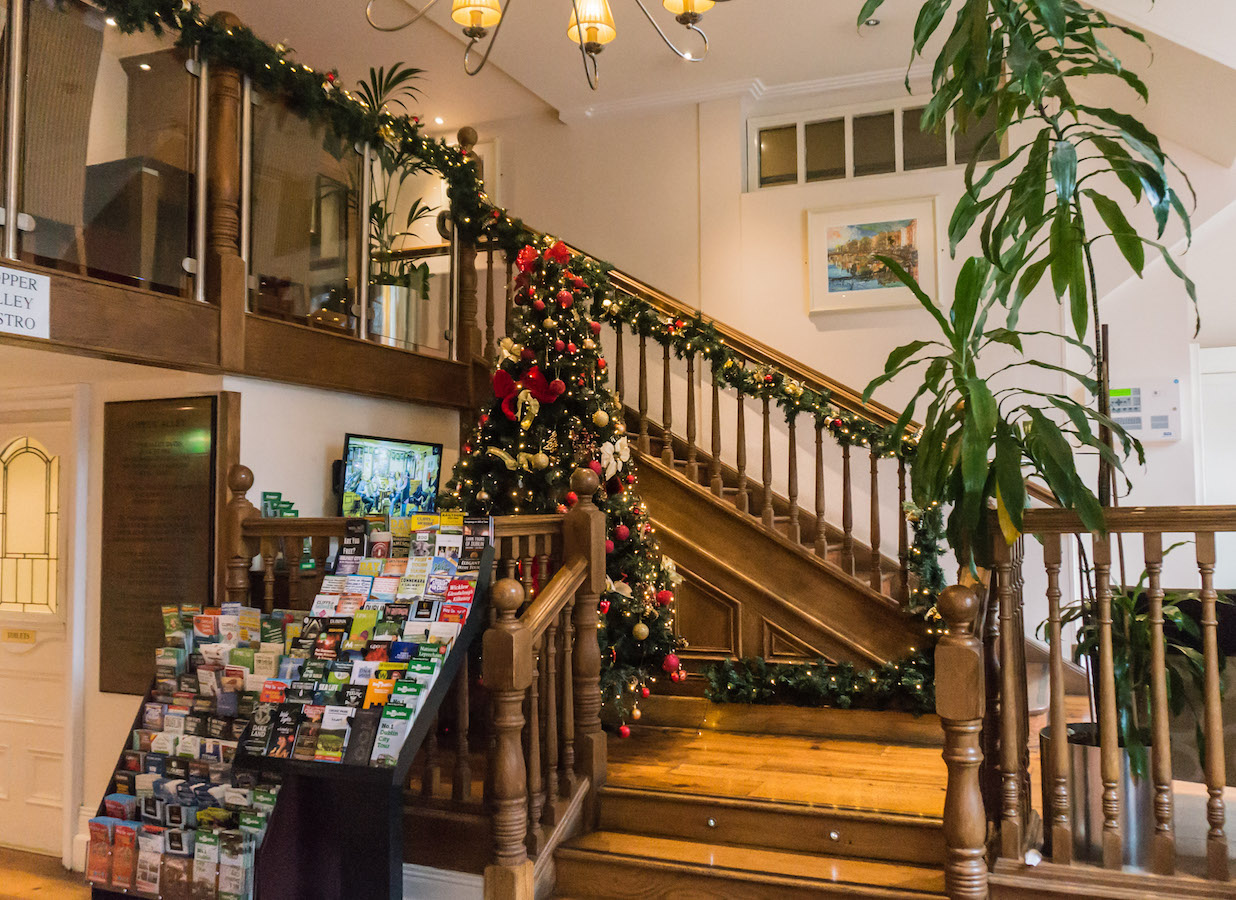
(158, 527)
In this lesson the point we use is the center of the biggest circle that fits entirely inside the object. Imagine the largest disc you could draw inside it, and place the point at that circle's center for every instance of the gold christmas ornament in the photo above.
(550, 323)
(540, 461)
(600, 418)
(590, 344)
(640, 631)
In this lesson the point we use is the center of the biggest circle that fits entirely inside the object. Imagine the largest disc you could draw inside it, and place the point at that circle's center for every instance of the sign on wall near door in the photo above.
(25, 304)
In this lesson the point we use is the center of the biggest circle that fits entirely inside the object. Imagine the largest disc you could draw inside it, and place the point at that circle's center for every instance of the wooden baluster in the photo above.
(742, 499)
(532, 752)
(552, 737)
(619, 367)
(462, 787)
(960, 698)
(847, 512)
(821, 525)
(321, 550)
(270, 552)
(693, 469)
(526, 570)
(239, 480)
(510, 294)
(223, 267)
(643, 443)
(1011, 824)
(794, 532)
(1212, 707)
(877, 562)
(1058, 815)
(1110, 753)
(507, 671)
(566, 688)
(903, 535)
(584, 535)
(294, 555)
(714, 466)
(1163, 844)
(431, 781)
(490, 346)
(667, 417)
(766, 511)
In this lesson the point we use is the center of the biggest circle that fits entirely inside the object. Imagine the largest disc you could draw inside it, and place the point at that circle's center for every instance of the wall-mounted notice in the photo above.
(25, 303)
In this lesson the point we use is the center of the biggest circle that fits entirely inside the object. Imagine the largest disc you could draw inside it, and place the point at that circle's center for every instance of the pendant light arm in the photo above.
(689, 57)
(417, 14)
(472, 43)
(591, 72)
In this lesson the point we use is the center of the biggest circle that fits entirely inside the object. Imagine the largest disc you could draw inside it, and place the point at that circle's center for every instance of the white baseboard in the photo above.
(425, 883)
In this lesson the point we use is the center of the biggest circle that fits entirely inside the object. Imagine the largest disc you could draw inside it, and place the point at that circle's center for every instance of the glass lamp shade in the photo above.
(476, 13)
(597, 21)
(699, 7)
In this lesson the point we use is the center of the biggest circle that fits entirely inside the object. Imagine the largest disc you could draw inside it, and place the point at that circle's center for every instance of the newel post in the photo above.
(960, 701)
(507, 671)
(584, 535)
(224, 268)
(240, 551)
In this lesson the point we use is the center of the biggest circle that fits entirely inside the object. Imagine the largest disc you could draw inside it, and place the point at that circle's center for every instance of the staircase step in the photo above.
(772, 825)
(614, 864)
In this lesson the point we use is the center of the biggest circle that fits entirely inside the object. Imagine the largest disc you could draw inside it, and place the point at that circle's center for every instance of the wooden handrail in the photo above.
(1135, 520)
(553, 597)
(273, 526)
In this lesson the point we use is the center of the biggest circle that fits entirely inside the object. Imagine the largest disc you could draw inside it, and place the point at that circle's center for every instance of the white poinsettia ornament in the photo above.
(614, 456)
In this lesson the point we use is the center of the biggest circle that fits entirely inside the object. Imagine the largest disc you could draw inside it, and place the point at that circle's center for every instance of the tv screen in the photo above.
(385, 477)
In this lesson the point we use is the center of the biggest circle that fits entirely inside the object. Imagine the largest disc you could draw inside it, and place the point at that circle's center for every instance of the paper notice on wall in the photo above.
(25, 303)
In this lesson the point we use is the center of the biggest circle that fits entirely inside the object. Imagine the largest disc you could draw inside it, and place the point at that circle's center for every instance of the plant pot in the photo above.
(1086, 799)
(393, 315)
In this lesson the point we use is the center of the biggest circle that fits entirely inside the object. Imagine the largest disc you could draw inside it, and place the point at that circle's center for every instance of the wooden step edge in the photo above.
(823, 887)
(854, 813)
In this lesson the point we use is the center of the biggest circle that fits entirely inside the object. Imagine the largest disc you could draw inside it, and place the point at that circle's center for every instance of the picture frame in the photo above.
(843, 274)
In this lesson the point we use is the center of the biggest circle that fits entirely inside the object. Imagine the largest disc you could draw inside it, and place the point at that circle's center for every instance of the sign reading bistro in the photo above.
(25, 303)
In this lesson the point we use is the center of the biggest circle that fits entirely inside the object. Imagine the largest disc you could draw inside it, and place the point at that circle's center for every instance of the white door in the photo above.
(35, 449)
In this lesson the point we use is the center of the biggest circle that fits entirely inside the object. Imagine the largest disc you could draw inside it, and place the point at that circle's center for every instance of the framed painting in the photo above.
(844, 247)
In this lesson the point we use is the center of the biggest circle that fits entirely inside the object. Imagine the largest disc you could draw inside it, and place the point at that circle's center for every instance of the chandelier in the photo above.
(591, 27)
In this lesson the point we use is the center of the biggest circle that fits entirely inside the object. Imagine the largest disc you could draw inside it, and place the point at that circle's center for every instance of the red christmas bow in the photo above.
(558, 253)
(507, 389)
(527, 258)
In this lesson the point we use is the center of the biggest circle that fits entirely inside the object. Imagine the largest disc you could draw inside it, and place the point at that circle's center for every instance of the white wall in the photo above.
(290, 435)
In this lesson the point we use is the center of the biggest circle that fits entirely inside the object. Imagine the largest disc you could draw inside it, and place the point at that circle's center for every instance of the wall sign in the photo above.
(25, 303)
(158, 528)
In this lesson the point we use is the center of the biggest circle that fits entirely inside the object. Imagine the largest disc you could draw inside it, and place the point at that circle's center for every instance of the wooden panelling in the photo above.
(283, 351)
(781, 646)
(1014, 881)
(708, 618)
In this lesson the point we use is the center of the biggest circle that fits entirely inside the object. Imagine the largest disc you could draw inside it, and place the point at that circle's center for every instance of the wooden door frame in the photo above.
(73, 400)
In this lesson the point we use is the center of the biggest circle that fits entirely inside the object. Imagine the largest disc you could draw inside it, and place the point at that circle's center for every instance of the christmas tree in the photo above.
(552, 413)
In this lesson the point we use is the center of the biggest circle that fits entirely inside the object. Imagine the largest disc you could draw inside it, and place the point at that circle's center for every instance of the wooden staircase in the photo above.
(704, 814)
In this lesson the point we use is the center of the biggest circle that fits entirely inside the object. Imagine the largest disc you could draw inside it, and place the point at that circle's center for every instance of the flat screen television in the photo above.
(387, 477)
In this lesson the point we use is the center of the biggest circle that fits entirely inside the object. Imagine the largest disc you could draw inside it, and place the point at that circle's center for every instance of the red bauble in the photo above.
(678, 323)
(665, 598)
(558, 386)
(609, 546)
(484, 418)
(572, 498)
(528, 353)
(622, 532)
(565, 299)
(624, 731)
(596, 327)
(595, 466)
(560, 345)
(538, 304)
(644, 692)
(603, 606)
(600, 364)
(630, 479)
(331, 76)
(571, 348)
(670, 663)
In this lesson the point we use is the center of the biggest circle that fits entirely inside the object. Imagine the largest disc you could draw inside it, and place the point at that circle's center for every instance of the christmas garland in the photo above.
(908, 684)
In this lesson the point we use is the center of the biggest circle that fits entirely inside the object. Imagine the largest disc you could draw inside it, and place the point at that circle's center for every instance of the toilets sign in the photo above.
(25, 304)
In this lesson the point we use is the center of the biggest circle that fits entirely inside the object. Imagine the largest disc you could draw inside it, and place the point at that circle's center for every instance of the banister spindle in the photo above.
(551, 652)
(619, 365)
(793, 532)
(847, 511)
(766, 511)
(1012, 827)
(742, 499)
(821, 526)
(1058, 816)
(270, 551)
(294, 555)
(877, 562)
(461, 789)
(510, 294)
(693, 469)
(643, 443)
(1109, 747)
(1163, 844)
(1217, 866)
(903, 535)
(532, 750)
(490, 346)
(714, 466)
(667, 411)
(566, 689)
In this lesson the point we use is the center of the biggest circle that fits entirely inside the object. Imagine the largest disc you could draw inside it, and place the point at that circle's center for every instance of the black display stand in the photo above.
(337, 830)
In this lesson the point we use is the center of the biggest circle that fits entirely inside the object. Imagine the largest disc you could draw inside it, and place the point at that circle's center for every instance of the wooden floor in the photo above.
(29, 875)
(840, 773)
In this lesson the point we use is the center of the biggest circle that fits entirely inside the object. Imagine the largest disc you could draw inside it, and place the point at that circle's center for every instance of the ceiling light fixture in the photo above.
(591, 27)
(145, 67)
(438, 120)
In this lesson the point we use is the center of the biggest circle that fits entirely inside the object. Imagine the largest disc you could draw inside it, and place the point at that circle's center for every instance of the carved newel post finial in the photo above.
(960, 700)
(506, 597)
(467, 137)
(584, 482)
(239, 480)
